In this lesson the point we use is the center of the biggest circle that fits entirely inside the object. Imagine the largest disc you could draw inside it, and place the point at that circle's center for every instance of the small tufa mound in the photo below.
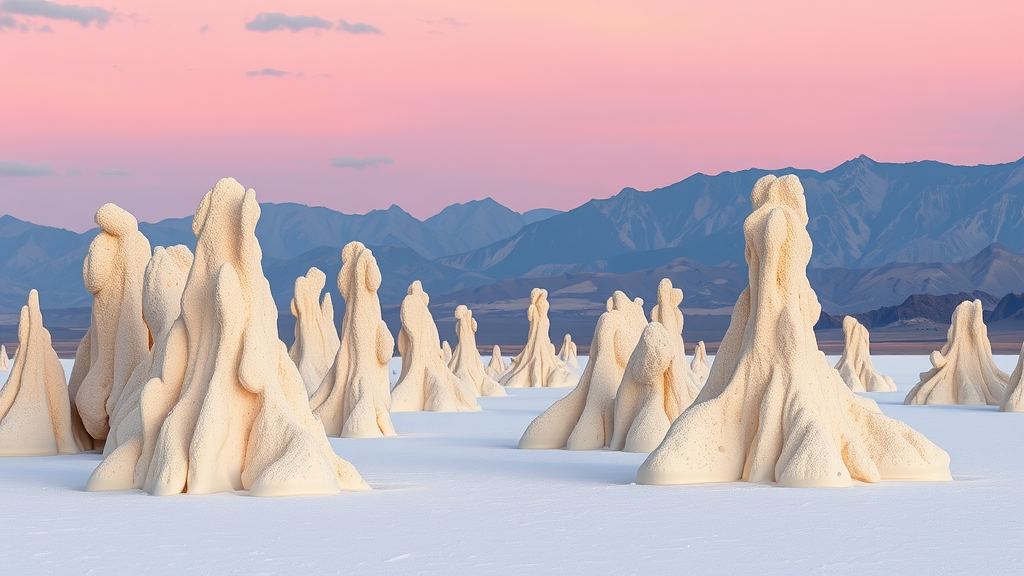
(162, 285)
(963, 372)
(226, 409)
(855, 365)
(466, 363)
(426, 383)
(657, 384)
(583, 420)
(355, 396)
(1014, 399)
(316, 338)
(699, 365)
(35, 412)
(446, 352)
(496, 367)
(5, 360)
(773, 409)
(567, 353)
(118, 338)
(537, 366)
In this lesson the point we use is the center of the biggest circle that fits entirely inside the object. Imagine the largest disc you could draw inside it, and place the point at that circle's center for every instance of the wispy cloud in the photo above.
(19, 169)
(359, 163)
(84, 15)
(267, 72)
(7, 22)
(271, 21)
(358, 28)
(115, 172)
(204, 29)
(73, 172)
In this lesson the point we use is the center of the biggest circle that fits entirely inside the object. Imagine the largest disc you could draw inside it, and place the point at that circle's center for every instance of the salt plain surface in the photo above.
(453, 495)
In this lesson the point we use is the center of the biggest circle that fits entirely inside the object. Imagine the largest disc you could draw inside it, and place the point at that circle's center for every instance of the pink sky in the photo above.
(532, 103)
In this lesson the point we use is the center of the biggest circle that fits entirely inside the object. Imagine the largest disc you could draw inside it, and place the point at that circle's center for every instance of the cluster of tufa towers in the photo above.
(185, 386)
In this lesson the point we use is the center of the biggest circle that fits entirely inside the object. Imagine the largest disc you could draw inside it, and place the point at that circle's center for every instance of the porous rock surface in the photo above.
(316, 339)
(567, 353)
(699, 364)
(118, 338)
(537, 366)
(773, 409)
(35, 412)
(657, 384)
(496, 367)
(426, 382)
(1013, 400)
(963, 372)
(162, 285)
(354, 399)
(466, 363)
(855, 365)
(226, 408)
(583, 420)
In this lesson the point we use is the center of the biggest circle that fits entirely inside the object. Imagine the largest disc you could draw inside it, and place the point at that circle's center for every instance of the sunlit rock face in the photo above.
(583, 420)
(773, 409)
(426, 382)
(118, 338)
(963, 372)
(537, 366)
(354, 399)
(226, 408)
(35, 412)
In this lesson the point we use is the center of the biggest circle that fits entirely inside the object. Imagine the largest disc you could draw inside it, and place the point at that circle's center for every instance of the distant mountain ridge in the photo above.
(916, 308)
(881, 233)
(862, 213)
(50, 259)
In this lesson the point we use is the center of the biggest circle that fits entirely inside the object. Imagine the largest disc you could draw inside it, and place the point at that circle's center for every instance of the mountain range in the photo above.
(881, 233)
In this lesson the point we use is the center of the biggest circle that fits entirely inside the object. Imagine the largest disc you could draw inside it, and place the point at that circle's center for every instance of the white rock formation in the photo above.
(537, 366)
(1013, 401)
(583, 420)
(35, 411)
(162, 285)
(496, 367)
(316, 339)
(5, 360)
(657, 384)
(855, 365)
(667, 313)
(567, 353)
(226, 408)
(118, 338)
(466, 363)
(426, 382)
(963, 372)
(446, 352)
(355, 397)
(699, 364)
(649, 396)
(773, 409)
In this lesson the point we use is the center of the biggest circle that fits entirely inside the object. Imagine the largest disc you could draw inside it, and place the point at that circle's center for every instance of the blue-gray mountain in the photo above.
(881, 232)
(293, 237)
(862, 213)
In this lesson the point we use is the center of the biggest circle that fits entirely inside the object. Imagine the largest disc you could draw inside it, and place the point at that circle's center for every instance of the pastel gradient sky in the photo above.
(534, 103)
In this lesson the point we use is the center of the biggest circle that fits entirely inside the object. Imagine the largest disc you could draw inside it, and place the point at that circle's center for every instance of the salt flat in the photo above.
(453, 495)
